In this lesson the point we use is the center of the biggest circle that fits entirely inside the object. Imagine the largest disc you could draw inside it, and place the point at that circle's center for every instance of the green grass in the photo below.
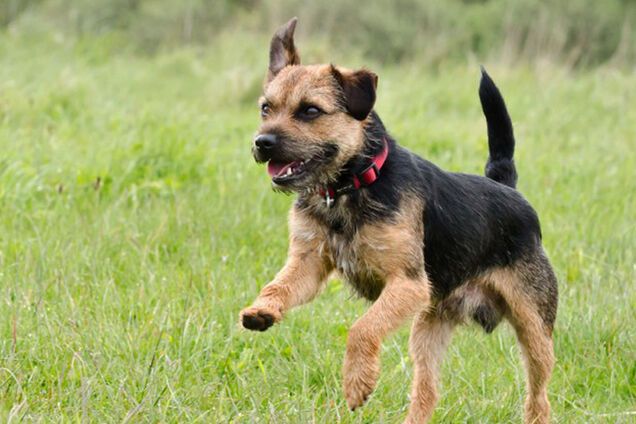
(134, 226)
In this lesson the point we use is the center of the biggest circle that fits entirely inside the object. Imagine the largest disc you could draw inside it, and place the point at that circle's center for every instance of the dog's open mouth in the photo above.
(282, 172)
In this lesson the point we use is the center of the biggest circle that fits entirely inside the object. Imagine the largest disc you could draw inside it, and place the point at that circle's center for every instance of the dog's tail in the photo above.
(501, 141)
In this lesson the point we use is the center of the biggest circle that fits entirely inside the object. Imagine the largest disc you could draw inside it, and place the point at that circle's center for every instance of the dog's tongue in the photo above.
(275, 168)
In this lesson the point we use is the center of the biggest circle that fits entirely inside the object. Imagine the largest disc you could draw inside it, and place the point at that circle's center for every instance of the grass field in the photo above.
(134, 226)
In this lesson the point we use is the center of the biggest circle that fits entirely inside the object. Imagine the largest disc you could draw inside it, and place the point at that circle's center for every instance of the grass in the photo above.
(134, 226)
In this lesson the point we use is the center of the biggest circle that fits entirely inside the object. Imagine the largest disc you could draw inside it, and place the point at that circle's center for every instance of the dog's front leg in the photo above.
(401, 298)
(300, 280)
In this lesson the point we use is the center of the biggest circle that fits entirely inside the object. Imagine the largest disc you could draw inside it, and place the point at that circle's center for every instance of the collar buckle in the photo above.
(329, 200)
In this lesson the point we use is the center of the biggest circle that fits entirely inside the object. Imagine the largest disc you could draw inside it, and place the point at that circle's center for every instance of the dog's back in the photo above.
(472, 224)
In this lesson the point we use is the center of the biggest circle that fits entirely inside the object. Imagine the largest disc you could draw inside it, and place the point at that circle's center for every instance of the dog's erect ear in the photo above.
(282, 51)
(358, 88)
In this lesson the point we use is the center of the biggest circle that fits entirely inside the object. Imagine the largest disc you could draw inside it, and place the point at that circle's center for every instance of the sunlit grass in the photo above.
(134, 226)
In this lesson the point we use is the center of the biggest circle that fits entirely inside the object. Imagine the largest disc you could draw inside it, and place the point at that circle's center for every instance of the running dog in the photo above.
(420, 243)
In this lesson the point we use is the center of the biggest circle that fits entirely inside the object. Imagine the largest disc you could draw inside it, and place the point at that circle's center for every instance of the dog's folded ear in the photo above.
(358, 89)
(282, 51)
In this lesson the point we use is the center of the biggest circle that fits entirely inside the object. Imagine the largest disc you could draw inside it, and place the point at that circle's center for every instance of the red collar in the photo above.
(364, 178)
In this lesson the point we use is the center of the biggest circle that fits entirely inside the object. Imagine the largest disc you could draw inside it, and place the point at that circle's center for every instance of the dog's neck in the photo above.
(374, 136)
(354, 208)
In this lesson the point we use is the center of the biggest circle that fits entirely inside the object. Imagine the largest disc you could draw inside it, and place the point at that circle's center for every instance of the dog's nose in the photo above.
(265, 141)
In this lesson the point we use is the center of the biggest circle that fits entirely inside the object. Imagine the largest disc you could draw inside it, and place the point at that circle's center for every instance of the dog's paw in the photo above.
(359, 380)
(259, 318)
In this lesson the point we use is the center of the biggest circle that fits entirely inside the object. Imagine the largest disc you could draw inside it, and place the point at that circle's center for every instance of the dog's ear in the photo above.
(358, 89)
(282, 51)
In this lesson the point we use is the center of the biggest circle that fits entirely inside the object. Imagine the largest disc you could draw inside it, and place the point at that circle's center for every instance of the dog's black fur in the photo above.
(471, 223)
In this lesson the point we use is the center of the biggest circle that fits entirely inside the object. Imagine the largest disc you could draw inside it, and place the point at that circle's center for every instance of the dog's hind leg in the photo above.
(529, 289)
(536, 346)
(430, 336)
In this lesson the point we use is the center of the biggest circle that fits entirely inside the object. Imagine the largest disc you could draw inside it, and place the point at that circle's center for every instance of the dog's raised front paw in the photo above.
(259, 318)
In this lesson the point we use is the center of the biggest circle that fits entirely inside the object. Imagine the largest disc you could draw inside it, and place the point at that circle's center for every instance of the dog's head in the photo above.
(313, 117)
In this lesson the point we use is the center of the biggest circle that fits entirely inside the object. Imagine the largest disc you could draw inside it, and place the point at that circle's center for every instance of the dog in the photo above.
(420, 243)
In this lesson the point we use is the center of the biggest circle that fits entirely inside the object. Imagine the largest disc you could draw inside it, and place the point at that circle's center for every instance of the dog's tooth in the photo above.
(289, 172)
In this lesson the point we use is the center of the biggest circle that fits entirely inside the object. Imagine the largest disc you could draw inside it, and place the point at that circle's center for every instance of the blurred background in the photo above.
(574, 33)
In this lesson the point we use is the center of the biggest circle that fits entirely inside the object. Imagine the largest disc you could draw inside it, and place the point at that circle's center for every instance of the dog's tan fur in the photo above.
(313, 84)
(386, 252)
(302, 277)
(385, 258)
(535, 339)
(430, 335)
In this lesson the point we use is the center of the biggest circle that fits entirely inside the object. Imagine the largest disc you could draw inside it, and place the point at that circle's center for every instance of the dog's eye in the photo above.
(309, 112)
(265, 109)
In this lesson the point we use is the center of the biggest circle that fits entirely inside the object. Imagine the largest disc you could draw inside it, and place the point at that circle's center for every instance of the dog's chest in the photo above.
(353, 258)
